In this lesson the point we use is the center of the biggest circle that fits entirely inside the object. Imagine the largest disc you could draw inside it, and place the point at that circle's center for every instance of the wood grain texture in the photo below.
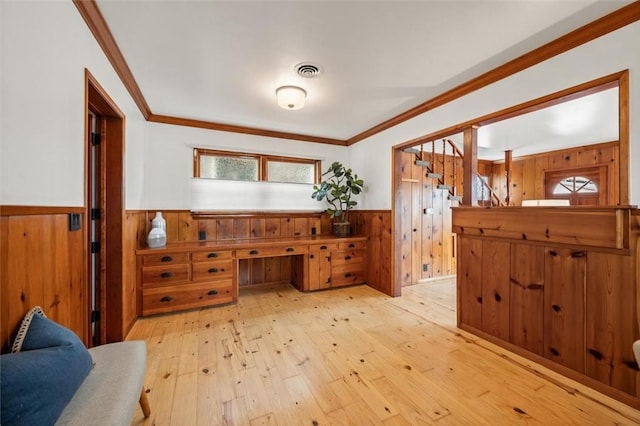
(528, 174)
(611, 305)
(576, 226)
(564, 309)
(572, 308)
(469, 279)
(526, 314)
(349, 356)
(42, 265)
(496, 291)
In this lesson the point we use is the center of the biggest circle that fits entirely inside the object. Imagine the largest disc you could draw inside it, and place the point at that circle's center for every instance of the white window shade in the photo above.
(232, 195)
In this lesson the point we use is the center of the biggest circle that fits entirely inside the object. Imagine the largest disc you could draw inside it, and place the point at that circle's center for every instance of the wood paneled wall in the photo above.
(183, 226)
(527, 173)
(376, 224)
(42, 264)
(423, 219)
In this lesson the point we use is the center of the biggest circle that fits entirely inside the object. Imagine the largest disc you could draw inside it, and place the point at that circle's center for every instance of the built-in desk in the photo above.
(196, 274)
(558, 285)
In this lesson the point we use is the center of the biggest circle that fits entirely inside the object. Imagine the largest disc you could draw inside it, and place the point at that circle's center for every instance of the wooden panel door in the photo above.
(611, 320)
(469, 280)
(527, 297)
(495, 288)
(564, 307)
(319, 269)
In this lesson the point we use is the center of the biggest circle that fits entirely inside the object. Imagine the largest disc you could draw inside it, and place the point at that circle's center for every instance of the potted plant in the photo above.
(337, 188)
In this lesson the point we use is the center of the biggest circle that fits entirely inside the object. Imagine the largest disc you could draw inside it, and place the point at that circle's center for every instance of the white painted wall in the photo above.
(169, 158)
(611, 53)
(46, 47)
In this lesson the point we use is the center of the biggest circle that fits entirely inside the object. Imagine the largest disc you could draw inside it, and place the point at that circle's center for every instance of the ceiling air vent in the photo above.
(308, 70)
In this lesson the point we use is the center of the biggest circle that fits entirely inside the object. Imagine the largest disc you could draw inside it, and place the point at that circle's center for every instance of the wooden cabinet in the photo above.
(185, 276)
(173, 281)
(320, 266)
(335, 265)
(572, 307)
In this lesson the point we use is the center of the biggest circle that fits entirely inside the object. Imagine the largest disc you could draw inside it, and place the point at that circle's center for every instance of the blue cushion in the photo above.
(38, 382)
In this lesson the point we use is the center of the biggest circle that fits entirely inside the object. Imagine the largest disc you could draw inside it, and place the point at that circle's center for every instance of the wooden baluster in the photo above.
(444, 159)
(455, 175)
(507, 170)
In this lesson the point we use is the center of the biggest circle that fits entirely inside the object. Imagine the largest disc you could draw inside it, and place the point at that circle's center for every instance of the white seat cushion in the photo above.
(110, 393)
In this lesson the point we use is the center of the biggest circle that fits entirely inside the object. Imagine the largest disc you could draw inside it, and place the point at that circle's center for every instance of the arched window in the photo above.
(575, 184)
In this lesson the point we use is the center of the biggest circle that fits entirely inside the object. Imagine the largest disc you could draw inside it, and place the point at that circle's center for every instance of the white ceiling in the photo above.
(222, 61)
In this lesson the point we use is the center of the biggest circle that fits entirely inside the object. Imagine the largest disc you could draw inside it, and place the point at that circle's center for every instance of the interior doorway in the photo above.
(104, 203)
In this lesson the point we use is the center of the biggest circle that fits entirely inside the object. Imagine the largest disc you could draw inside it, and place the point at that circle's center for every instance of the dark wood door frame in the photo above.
(112, 130)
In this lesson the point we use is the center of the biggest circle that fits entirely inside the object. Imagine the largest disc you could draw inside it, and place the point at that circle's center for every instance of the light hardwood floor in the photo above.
(349, 356)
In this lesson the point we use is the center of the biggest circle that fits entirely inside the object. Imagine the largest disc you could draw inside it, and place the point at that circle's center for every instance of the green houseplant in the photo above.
(338, 185)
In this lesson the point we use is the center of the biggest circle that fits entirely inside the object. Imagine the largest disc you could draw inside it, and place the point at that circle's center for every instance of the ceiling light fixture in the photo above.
(291, 97)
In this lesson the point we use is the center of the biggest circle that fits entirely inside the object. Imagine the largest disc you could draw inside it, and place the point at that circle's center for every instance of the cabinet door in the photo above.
(495, 288)
(612, 326)
(319, 270)
(564, 307)
(469, 282)
(527, 297)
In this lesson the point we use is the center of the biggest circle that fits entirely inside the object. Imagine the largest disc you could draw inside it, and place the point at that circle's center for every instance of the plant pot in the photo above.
(341, 229)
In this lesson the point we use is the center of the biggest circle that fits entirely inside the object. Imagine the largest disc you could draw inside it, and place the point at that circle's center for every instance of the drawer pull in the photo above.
(212, 255)
(323, 247)
(166, 259)
(347, 258)
(351, 245)
(166, 299)
(212, 292)
(596, 354)
(253, 252)
(166, 275)
(290, 249)
(213, 270)
(347, 275)
(311, 256)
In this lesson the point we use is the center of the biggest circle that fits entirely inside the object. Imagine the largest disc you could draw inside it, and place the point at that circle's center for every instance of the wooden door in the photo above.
(584, 186)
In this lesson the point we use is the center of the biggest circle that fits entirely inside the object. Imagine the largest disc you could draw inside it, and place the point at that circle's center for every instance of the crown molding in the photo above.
(98, 26)
(210, 125)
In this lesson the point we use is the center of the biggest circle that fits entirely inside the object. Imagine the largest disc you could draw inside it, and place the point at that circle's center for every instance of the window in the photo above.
(213, 164)
(575, 184)
(482, 188)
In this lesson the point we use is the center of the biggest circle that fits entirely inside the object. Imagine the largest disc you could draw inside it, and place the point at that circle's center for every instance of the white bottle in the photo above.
(158, 235)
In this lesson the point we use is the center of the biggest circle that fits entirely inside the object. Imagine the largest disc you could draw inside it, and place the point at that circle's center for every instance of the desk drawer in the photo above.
(211, 256)
(165, 259)
(347, 257)
(340, 276)
(272, 251)
(161, 275)
(204, 271)
(172, 298)
(351, 245)
(319, 248)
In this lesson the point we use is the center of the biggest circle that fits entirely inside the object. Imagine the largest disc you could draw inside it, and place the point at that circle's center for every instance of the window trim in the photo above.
(263, 160)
